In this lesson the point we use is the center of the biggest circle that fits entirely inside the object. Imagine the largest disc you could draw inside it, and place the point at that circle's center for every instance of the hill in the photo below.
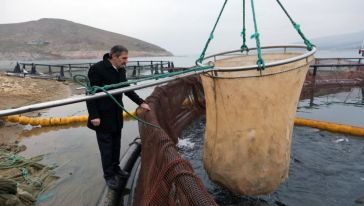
(343, 41)
(62, 39)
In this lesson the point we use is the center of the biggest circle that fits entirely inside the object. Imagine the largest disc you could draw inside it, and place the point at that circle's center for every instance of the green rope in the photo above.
(85, 82)
(244, 47)
(256, 35)
(36, 182)
(9, 160)
(298, 28)
(202, 56)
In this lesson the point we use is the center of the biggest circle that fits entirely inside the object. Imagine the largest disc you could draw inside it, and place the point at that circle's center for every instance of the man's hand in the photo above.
(145, 106)
(96, 122)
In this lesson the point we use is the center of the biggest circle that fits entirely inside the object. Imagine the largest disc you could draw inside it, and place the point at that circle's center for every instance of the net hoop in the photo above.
(207, 61)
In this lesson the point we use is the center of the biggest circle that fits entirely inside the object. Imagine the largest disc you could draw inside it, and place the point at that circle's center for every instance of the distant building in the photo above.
(38, 42)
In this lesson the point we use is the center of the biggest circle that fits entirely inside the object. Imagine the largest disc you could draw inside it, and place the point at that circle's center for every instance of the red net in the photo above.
(165, 178)
(339, 72)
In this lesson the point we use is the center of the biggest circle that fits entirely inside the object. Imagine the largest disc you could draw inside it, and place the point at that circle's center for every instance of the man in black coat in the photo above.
(105, 117)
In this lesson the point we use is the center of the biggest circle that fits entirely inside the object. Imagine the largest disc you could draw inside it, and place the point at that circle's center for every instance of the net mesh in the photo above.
(165, 177)
(249, 122)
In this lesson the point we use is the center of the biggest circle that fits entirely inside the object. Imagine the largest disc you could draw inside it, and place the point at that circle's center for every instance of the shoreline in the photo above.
(19, 91)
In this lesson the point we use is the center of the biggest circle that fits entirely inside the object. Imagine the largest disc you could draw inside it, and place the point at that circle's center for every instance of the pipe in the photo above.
(130, 156)
(127, 162)
(82, 98)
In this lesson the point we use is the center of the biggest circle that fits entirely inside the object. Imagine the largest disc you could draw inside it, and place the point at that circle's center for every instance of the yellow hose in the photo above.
(44, 122)
(52, 121)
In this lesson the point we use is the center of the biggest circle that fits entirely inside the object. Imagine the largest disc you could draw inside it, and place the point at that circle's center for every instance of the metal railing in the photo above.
(135, 69)
(356, 63)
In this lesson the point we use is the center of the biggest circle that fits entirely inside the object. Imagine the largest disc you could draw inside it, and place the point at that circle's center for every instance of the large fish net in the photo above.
(165, 178)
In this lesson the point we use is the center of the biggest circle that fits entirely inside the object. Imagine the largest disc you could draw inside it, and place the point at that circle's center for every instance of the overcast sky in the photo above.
(182, 26)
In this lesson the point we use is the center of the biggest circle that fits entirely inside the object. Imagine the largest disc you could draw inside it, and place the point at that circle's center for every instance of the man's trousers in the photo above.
(109, 145)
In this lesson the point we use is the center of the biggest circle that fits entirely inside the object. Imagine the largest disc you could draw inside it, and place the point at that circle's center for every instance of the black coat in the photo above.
(100, 74)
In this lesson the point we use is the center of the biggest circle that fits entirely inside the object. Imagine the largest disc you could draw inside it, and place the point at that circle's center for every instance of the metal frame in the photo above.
(254, 67)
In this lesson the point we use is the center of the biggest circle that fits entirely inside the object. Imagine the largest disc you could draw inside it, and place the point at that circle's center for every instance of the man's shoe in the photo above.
(113, 183)
(122, 173)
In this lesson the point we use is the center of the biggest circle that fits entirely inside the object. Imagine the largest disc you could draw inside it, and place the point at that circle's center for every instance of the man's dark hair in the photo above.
(117, 50)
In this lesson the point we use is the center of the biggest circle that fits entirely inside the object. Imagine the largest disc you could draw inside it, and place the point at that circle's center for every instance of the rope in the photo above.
(85, 82)
(202, 56)
(244, 47)
(260, 62)
(28, 180)
(297, 27)
(10, 160)
(27, 175)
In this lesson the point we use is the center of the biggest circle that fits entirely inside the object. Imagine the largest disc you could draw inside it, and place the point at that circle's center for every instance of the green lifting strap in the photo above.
(244, 47)
(202, 56)
(297, 27)
(256, 35)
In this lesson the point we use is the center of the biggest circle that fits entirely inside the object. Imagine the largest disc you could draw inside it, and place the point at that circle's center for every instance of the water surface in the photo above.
(325, 168)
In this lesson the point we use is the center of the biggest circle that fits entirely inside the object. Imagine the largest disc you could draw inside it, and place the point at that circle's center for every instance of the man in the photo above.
(105, 117)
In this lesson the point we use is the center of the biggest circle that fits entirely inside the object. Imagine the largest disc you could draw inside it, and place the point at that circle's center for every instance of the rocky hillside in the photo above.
(61, 39)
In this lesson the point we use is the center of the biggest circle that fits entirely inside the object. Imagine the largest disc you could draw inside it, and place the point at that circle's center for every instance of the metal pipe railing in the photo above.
(83, 98)
(127, 162)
